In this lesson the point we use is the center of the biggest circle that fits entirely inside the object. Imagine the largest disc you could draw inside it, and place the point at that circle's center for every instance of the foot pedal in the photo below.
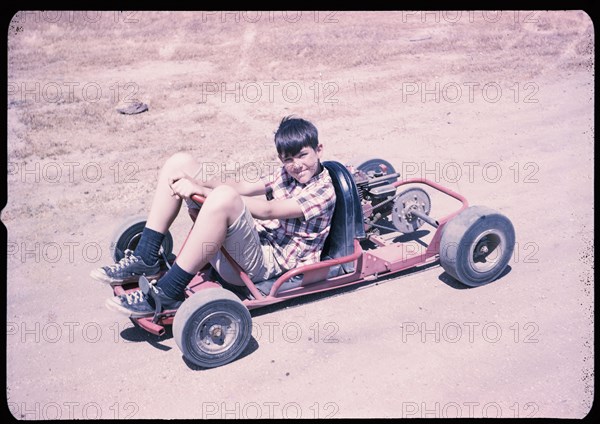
(144, 285)
(146, 288)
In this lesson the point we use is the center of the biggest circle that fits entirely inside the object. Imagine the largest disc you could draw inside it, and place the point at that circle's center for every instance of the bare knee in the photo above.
(181, 161)
(226, 201)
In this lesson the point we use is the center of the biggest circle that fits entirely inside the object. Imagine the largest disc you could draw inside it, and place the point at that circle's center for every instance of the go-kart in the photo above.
(373, 224)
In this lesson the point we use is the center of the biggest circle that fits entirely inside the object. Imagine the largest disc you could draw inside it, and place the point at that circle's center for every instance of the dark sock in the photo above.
(149, 245)
(174, 282)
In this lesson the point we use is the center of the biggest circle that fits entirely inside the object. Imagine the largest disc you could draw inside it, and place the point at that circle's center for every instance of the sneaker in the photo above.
(127, 270)
(137, 304)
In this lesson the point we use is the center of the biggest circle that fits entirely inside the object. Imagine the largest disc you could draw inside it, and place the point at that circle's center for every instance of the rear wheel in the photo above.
(127, 236)
(212, 327)
(476, 245)
(375, 166)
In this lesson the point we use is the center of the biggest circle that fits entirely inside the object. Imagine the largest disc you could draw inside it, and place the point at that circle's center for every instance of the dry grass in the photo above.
(164, 58)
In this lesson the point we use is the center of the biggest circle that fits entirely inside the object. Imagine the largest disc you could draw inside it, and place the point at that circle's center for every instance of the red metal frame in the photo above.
(369, 265)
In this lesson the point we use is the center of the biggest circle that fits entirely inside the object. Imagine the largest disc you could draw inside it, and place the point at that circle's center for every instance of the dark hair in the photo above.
(294, 134)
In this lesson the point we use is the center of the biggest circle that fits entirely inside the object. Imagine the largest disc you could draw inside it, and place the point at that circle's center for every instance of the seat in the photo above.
(347, 221)
(346, 225)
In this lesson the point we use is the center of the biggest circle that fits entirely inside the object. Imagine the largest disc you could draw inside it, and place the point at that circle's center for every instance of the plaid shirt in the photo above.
(298, 241)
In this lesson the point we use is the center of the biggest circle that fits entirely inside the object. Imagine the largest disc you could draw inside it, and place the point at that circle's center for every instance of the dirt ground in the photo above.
(497, 106)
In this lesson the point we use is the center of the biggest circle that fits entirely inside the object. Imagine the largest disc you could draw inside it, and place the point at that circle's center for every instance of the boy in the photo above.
(267, 226)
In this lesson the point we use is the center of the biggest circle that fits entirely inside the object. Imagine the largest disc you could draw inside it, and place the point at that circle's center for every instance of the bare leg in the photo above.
(221, 208)
(165, 207)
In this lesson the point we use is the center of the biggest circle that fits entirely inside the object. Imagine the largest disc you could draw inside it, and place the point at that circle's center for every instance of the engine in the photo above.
(384, 208)
(376, 194)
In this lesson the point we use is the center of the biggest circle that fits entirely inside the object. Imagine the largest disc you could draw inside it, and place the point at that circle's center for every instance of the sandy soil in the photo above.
(495, 105)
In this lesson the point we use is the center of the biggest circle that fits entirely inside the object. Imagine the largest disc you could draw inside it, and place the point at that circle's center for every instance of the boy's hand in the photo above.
(184, 186)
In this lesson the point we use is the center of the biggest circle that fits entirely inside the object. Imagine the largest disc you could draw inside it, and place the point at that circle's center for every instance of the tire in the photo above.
(476, 245)
(212, 310)
(372, 164)
(128, 235)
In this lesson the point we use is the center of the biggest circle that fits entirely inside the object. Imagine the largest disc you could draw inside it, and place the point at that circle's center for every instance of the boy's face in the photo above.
(303, 165)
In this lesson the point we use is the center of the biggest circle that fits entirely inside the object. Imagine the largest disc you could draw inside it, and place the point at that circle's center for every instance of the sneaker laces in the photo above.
(135, 297)
(128, 259)
(138, 296)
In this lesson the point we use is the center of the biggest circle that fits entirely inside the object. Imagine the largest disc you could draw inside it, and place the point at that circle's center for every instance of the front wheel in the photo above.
(476, 245)
(212, 327)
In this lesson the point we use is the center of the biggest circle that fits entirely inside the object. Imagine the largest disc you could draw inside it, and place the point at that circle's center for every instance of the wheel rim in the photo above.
(486, 251)
(133, 242)
(374, 165)
(217, 332)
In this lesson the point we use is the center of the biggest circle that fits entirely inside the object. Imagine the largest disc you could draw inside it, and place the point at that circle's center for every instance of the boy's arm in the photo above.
(262, 208)
(318, 200)
(243, 187)
(186, 186)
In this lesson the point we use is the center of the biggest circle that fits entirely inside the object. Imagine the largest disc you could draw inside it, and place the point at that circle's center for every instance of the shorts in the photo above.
(243, 244)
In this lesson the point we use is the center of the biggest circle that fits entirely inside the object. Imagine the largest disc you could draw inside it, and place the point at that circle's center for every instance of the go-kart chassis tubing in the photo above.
(368, 265)
(395, 265)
